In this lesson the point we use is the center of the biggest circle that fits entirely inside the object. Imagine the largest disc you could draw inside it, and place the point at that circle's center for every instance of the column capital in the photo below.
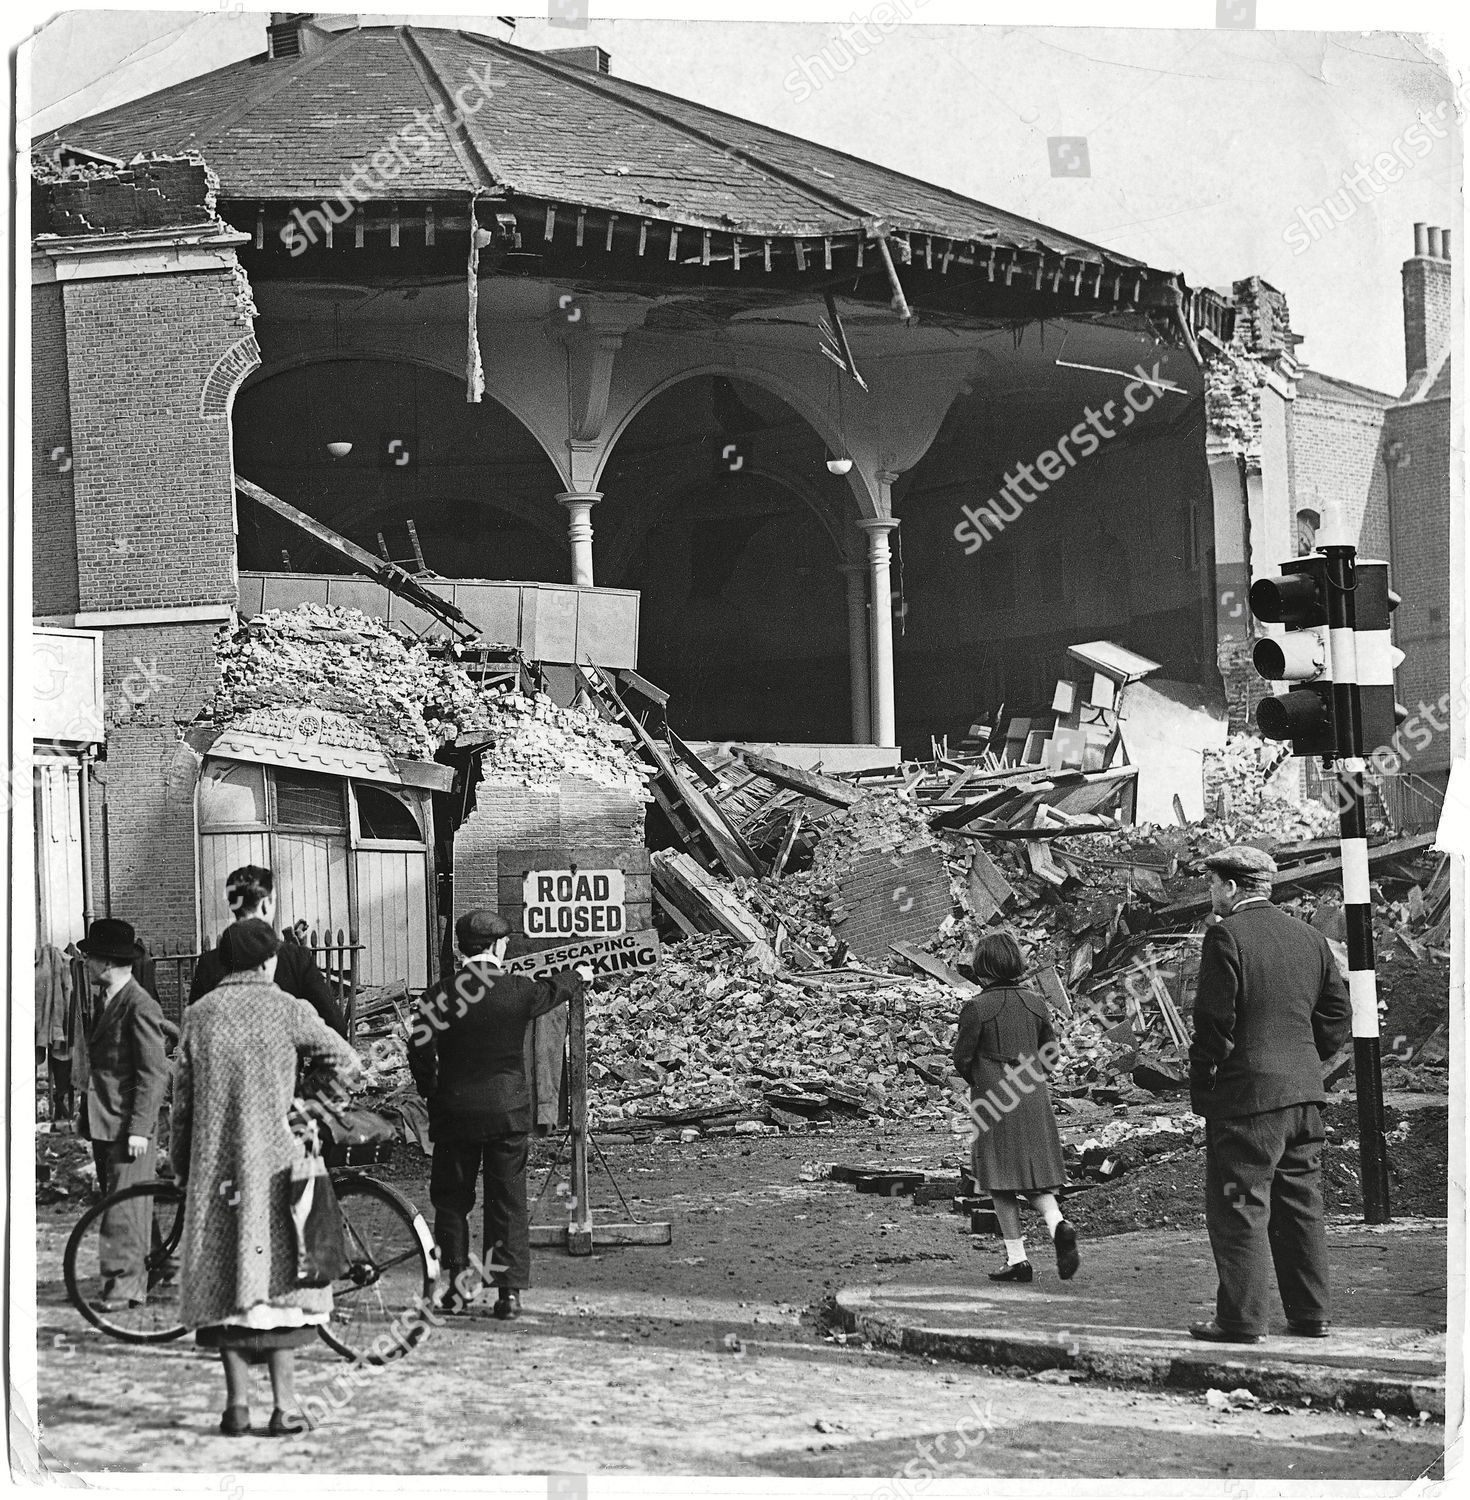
(570, 498)
(877, 525)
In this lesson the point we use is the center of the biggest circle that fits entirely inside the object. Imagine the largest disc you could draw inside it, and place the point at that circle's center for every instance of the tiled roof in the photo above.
(290, 129)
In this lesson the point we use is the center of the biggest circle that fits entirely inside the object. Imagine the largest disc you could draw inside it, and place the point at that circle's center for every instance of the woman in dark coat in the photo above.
(1005, 1050)
(233, 1089)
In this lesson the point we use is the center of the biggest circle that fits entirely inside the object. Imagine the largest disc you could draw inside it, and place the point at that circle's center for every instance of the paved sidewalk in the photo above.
(1126, 1314)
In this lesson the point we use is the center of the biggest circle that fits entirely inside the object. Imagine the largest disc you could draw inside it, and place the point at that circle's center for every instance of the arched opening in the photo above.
(719, 509)
(476, 484)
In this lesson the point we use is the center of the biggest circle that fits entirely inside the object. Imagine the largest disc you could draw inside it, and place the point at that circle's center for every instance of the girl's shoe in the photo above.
(1021, 1271)
(235, 1422)
(1065, 1241)
(286, 1424)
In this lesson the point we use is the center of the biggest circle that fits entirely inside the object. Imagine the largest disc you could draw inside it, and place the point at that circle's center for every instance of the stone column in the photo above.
(856, 574)
(579, 533)
(880, 622)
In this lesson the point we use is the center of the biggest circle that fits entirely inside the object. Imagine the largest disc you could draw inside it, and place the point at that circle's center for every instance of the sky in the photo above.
(1202, 150)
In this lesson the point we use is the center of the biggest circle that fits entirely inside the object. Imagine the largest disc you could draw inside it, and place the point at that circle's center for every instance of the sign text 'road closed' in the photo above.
(573, 903)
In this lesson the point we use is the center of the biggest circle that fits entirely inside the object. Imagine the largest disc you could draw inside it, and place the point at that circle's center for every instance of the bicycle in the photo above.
(392, 1264)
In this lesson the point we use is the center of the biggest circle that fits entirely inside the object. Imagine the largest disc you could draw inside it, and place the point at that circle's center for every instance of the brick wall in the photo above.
(154, 496)
(155, 678)
(576, 815)
(1336, 447)
(53, 504)
(1420, 572)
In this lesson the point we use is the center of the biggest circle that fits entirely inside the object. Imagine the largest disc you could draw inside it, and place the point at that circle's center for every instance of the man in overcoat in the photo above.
(1271, 1006)
(467, 1055)
(125, 1090)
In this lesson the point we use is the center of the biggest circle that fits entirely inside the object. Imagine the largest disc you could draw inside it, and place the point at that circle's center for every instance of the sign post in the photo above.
(586, 910)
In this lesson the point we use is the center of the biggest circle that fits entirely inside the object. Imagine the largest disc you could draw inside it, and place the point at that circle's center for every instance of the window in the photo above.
(382, 814)
(231, 794)
(305, 799)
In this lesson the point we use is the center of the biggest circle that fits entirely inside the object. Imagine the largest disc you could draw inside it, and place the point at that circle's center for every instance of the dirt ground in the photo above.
(702, 1357)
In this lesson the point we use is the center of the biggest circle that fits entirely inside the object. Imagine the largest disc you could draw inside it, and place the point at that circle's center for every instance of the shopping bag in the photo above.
(316, 1224)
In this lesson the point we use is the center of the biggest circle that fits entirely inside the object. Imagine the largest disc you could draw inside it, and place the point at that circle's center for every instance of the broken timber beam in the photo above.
(823, 788)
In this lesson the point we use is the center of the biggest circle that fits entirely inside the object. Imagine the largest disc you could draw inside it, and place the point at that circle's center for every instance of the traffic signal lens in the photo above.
(1294, 599)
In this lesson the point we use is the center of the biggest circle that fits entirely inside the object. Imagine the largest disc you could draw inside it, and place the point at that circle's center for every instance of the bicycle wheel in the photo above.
(153, 1319)
(377, 1304)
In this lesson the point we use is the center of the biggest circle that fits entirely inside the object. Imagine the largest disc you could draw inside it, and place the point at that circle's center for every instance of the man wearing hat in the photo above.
(467, 1055)
(1271, 1006)
(129, 1072)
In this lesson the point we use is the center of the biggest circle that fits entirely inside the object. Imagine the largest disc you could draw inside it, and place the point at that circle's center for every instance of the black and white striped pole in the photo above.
(1337, 659)
(1341, 604)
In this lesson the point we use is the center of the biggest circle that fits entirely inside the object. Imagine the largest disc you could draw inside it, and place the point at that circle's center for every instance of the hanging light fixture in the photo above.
(339, 450)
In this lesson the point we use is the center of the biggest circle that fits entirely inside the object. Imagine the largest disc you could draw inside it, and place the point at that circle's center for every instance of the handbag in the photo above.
(316, 1223)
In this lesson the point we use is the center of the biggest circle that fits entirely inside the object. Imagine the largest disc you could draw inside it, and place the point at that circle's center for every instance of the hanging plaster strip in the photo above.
(329, 234)
(928, 252)
(1097, 285)
(800, 255)
(767, 247)
(900, 302)
(643, 235)
(826, 252)
(1138, 288)
(395, 227)
(674, 243)
(581, 225)
(735, 240)
(1010, 267)
(860, 255)
(948, 256)
(704, 250)
(260, 229)
(474, 370)
(612, 219)
(990, 265)
(357, 233)
(1077, 282)
(428, 224)
(550, 221)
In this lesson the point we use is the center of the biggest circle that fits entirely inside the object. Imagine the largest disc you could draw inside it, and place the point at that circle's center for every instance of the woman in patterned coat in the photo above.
(1005, 1050)
(233, 1146)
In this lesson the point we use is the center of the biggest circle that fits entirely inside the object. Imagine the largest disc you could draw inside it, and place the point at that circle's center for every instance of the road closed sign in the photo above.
(574, 903)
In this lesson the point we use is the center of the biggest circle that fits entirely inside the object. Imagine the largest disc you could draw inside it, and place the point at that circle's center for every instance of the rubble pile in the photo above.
(413, 696)
(1255, 791)
(718, 1029)
(348, 662)
(536, 742)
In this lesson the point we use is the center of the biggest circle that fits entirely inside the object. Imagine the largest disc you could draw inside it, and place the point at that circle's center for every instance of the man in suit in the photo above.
(250, 891)
(1271, 1006)
(125, 1089)
(467, 1054)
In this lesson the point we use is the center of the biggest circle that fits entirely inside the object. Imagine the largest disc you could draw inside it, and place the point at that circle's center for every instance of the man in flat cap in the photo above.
(1271, 1006)
(467, 1054)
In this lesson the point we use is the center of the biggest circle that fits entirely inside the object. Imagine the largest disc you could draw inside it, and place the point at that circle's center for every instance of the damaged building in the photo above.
(488, 342)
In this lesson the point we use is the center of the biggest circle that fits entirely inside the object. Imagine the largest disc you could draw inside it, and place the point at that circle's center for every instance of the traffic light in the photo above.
(1298, 600)
(1377, 656)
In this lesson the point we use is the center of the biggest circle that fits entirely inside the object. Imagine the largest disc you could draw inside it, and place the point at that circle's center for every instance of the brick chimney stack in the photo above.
(1426, 299)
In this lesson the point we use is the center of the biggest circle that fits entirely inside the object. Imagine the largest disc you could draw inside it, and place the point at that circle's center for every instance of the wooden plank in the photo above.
(824, 788)
(554, 1236)
(675, 915)
(1049, 982)
(679, 872)
(784, 852)
(936, 968)
(986, 881)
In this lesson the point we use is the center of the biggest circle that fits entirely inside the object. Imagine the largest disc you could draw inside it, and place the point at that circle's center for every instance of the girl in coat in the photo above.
(1017, 1152)
(232, 1143)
